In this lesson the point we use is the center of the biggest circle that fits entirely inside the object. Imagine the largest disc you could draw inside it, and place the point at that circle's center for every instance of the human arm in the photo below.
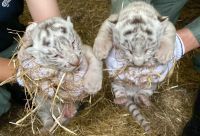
(189, 40)
(190, 35)
(6, 69)
(43, 9)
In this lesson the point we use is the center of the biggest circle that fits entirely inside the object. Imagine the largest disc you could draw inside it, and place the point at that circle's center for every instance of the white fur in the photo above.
(134, 43)
(51, 49)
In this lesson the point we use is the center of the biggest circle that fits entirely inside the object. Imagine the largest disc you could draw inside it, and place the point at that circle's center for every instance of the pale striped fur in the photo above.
(136, 39)
(52, 49)
(135, 112)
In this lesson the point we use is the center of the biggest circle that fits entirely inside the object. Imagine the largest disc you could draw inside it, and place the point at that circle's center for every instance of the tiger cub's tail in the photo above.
(135, 112)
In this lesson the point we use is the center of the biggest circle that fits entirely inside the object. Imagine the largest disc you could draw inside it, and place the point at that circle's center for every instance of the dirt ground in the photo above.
(172, 104)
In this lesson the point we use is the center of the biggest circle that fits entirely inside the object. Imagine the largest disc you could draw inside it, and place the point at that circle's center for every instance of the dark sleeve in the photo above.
(10, 10)
(194, 26)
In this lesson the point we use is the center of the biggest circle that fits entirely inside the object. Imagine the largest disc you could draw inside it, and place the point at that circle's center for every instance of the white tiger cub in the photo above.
(52, 48)
(134, 43)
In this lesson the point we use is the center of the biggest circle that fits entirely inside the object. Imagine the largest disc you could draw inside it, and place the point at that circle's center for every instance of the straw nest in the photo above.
(171, 105)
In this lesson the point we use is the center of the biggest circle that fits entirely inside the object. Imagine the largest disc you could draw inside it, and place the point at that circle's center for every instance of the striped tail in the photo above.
(134, 111)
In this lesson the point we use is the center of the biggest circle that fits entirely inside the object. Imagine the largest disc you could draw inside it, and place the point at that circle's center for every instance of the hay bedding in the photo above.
(171, 105)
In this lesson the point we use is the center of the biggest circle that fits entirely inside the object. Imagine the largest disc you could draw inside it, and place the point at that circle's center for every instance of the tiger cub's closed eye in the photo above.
(63, 29)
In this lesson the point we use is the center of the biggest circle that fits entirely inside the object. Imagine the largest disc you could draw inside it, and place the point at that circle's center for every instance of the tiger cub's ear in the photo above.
(69, 23)
(31, 27)
(163, 18)
(27, 37)
(113, 19)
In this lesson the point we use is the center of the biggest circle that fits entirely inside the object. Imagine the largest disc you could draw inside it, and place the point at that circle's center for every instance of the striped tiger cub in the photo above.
(134, 43)
(52, 49)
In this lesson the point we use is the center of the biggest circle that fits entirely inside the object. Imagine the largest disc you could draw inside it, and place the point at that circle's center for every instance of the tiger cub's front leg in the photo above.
(167, 44)
(93, 77)
(103, 42)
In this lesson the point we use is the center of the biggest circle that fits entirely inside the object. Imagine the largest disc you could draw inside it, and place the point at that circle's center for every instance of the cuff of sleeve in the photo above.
(179, 49)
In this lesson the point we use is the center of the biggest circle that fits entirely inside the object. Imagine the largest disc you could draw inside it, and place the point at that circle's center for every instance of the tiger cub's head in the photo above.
(137, 32)
(55, 43)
